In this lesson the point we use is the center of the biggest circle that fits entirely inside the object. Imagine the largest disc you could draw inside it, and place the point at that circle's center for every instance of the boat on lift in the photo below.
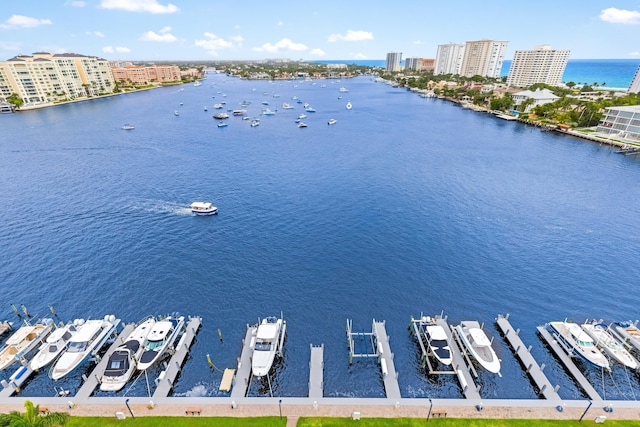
(436, 338)
(55, 344)
(609, 345)
(23, 340)
(269, 339)
(477, 343)
(576, 341)
(162, 336)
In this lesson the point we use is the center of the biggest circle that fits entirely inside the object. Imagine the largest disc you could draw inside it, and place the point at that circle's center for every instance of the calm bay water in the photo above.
(405, 206)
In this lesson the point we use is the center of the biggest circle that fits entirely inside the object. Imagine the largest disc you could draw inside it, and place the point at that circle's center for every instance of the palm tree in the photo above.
(32, 417)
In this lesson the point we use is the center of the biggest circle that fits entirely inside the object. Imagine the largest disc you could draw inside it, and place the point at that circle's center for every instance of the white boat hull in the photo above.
(269, 338)
(583, 345)
(478, 345)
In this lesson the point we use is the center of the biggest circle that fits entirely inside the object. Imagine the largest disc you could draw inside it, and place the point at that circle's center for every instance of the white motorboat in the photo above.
(217, 106)
(123, 362)
(436, 339)
(160, 338)
(302, 125)
(349, 106)
(55, 344)
(609, 345)
(221, 116)
(87, 341)
(343, 89)
(255, 123)
(25, 339)
(477, 343)
(176, 112)
(629, 333)
(332, 121)
(203, 208)
(579, 342)
(310, 110)
(268, 342)
(128, 126)
(287, 106)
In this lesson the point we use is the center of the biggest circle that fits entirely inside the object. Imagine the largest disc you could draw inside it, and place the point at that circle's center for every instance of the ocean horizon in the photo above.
(612, 73)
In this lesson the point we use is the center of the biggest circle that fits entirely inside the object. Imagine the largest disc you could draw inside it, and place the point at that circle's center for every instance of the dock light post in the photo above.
(280, 407)
(585, 411)
(430, 407)
(126, 402)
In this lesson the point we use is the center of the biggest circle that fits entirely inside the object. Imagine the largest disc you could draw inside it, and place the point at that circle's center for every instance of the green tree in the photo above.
(15, 100)
(32, 417)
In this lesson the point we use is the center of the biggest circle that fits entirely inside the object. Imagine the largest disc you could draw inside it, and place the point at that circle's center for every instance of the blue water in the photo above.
(405, 205)
(612, 73)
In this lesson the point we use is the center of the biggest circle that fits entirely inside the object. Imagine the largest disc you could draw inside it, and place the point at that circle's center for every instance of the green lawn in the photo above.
(195, 421)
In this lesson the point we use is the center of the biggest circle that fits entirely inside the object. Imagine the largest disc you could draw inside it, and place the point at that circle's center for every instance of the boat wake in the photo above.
(164, 207)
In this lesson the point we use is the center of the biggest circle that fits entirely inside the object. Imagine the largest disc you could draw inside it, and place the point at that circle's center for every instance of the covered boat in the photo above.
(203, 208)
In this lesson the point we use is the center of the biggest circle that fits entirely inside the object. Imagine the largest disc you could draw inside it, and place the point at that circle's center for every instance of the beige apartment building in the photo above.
(419, 64)
(540, 65)
(141, 75)
(483, 58)
(44, 78)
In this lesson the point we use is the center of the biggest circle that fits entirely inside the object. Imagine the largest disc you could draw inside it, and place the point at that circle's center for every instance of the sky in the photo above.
(165, 30)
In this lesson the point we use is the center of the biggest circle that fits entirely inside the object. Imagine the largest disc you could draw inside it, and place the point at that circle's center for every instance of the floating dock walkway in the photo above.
(469, 388)
(568, 363)
(316, 371)
(168, 376)
(533, 369)
(243, 373)
(389, 374)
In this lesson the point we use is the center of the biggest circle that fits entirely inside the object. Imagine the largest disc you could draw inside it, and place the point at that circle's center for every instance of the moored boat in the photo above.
(203, 208)
(477, 343)
(221, 116)
(87, 341)
(23, 340)
(160, 338)
(269, 339)
(436, 338)
(128, 126)
(629, 333)
(577, 341)
(123, 361)
(54, 345)
(609, 345)
(332, 121)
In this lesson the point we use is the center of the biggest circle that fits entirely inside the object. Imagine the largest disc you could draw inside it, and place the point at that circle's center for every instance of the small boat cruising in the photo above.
(269, 340)
(176, 112)
(343, 89)
(55, 344)
(576, 341)
(203, 208)
(124, 360)
(609, 345)
(160, 338)
(349, 106)
(87, 341)
(25, 339)
(128, 126)
(332, 122)
(477, 343)
(436, 339)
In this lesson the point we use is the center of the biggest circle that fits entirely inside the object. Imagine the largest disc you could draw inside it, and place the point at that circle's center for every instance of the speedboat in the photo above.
(176, 112)
(436, 339)
(87, 341)
(302, 116)
(223, 125)
(217, 106)
(268, 112)
(343, 89)
(255, 123)
(203, 208)
(123, 361)
(477, 343)
(239, 112)
(269, 338)
(160, 338)
(128, 126)
(221, 116)
(332, 121)
(302, 125)
(25, 339)
(609, 345)
(287, 106)
(55, 344)
(310, 110)
(629, 333)
(579, 342)
(349, 106)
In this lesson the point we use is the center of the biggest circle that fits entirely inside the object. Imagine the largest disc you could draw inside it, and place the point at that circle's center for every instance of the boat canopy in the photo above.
(267, 331)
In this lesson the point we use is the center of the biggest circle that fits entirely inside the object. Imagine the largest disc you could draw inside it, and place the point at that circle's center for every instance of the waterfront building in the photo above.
(449, 59)
(393, 61)
(540, 65)
(622, 122)
(44, 77)
(634, 87)
(419, 64)
(539, 96)
(483, 58)
(139, 75)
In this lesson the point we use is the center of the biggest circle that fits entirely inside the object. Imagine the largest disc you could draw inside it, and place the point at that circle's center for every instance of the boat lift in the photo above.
(362, 344)
(418, 328)
(252, 344)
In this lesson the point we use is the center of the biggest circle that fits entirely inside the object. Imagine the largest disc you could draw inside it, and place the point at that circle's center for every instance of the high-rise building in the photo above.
(634, 87)
(540, 65)
(483, 58)
(449, 59)
(393, 61)
(419, 64)
(44, 77)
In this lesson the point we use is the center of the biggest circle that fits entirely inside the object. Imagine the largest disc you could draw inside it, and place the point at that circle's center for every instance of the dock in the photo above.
(568, 363)
(389, 374)
(168, 376)
(243, 372)
(469, 388)
(316, 371)
(19, 377)
(93, 379)
(526, 359)
(419, 329)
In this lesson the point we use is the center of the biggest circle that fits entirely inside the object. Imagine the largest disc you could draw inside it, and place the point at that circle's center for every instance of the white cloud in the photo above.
(20, 21)
(351, 36)
(359, 56)
(119, 49)
(417, 42)
(165, 29)
(95, 33)
(9, 46)
(237, 40)
(212, 44)
(317, 52)
(636, 53)
(620, 16)
(76, 3)
(280, 24)
(284, 45)
(151, 6)
(150, 36)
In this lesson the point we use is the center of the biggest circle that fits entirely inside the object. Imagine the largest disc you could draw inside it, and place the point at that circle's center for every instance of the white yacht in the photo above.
(55, 344)
(160, 338)
(203, 208)
(268, 342)
(436, 339)
(128, 126)
(87, 341)
(609, 345)
(577, 341)
(332, 121)
(477, 343)
(25, 339)
(343, 89)
(124, 360)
